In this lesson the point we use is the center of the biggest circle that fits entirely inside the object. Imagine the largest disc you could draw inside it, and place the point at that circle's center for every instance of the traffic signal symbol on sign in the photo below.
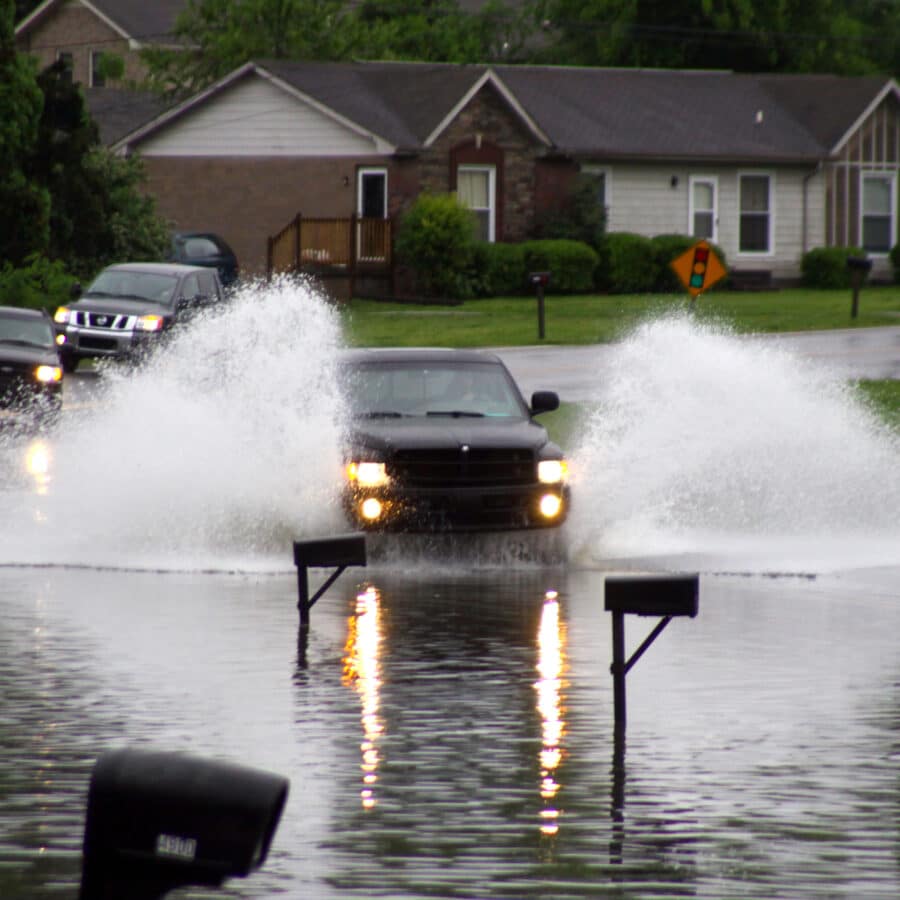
(698, 268)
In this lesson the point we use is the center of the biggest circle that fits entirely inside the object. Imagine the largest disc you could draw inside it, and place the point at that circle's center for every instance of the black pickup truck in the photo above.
(442, 440)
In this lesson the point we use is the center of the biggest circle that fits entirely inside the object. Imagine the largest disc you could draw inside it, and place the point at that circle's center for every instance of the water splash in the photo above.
(710, 445)
(224, 446)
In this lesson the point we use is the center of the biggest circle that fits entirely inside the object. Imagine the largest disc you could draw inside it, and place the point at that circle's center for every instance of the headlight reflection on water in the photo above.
(38, 460)
(551, 663)
(362, 672)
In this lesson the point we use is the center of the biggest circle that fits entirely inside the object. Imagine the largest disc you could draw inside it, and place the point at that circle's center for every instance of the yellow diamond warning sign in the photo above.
(698, 268)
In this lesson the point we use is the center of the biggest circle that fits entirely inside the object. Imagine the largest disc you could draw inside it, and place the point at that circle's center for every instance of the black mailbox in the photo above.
(342, 550)
(539, 279)
(860, 264)
(157, 821)
(652, 595)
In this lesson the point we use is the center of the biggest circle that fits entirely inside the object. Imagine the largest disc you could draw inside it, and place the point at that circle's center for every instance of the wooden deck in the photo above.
(340, 252)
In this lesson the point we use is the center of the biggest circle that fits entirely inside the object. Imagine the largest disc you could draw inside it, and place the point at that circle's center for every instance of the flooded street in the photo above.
(447, 722)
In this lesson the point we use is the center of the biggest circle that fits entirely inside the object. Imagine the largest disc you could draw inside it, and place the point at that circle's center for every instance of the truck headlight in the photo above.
(149, 323)
(367, 474)
(552, 471)
(61, 316)
(48, 374)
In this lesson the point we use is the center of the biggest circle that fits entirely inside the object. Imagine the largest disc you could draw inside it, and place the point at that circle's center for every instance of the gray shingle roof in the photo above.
(603, 113)
(634, 113)
(118, 112)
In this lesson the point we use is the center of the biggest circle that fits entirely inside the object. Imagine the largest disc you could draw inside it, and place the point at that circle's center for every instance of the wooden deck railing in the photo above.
(331, 245)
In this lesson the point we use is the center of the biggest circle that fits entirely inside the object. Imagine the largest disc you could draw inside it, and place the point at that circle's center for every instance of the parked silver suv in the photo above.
(129, 306)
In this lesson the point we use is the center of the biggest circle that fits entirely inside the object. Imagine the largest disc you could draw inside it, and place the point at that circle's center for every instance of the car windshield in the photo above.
(154, 286)
(20, 330)
(398, 389)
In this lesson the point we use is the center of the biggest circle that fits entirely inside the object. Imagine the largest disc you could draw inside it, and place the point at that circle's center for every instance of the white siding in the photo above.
(643, 200)
(255, 118)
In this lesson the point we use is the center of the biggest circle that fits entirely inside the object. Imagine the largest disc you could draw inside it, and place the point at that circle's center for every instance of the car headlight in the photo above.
(367, 474)
(61, 316)
(552, 471)
(149, 323)
(48, 374)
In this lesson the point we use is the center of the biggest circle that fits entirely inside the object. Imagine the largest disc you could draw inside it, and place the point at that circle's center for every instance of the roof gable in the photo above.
(143, 21)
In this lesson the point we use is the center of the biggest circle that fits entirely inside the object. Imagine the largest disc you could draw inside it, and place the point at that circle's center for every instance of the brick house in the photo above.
(82, 31)
(767, 166)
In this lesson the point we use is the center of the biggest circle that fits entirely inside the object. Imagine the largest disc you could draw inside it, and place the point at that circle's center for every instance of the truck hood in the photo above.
(18, 355)
(436, 432)
(125, 307)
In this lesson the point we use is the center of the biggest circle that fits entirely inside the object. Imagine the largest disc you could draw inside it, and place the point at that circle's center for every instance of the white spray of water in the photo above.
(708, 445)
(223, 448)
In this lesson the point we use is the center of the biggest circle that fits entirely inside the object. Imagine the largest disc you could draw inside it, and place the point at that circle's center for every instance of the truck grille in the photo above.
(112, 321)
(458, 468)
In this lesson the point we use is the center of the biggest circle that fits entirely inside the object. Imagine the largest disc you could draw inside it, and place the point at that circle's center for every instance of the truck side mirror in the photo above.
(157, 821)
(544, 401)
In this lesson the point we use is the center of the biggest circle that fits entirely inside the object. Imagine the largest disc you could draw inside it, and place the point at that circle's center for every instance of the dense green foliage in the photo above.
(826, 267)
(436, 240)
(501, 269)
(571, 264)
(580, 217)
(24, 223)
(743, 35)
(628, 264)
(63, 194)
(38, 284)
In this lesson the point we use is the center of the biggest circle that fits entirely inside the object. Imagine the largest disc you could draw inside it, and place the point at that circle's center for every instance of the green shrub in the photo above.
(895, 262)
(571, 264)
(629, 264)
(436, 240)
(39, 284)
(500, 269)
(667, 247)
(826, 267)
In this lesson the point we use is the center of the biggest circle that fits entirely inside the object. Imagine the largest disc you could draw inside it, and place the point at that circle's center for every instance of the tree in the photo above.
(743, 35)
(24, 222)
(98, 214)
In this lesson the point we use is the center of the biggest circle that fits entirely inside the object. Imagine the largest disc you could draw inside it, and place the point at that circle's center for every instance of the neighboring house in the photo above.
(766, 166)
(82, 31)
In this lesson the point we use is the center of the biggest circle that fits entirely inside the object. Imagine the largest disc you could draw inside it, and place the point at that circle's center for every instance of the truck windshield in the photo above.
(123, 285)
(424, 389)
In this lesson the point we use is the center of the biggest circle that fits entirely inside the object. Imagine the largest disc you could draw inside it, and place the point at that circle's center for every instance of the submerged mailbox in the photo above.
(157, 821)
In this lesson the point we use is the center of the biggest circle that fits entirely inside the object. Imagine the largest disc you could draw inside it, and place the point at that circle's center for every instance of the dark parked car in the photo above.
(129, 306)
(203, 248)
(442, 440)
(30, 370)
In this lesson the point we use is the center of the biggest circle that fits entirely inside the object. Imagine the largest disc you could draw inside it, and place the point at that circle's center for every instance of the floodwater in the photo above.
(447, 722)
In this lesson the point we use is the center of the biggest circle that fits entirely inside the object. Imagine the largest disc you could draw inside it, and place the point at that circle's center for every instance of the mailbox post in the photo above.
(540, 280)
(338, 552)
(859, 267)
(643, 595)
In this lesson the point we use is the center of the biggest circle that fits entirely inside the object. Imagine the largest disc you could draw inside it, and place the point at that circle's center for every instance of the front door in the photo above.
(371, 208)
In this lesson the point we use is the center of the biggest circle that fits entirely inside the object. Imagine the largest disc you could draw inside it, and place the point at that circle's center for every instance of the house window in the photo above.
(98, 79)
(67, 66)
(475, 188)
(878, 211)
(703, 214)
(756, 214)
(599, 179)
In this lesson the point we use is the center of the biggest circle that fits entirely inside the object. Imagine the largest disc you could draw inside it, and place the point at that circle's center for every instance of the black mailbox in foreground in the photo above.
(157, 821)
(665, 596)
(337, 552)
(652, 595)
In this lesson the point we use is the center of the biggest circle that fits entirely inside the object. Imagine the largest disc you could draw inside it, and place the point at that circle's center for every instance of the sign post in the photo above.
(698, 269)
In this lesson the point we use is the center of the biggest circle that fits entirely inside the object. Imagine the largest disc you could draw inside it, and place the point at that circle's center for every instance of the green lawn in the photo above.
(513, 321)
